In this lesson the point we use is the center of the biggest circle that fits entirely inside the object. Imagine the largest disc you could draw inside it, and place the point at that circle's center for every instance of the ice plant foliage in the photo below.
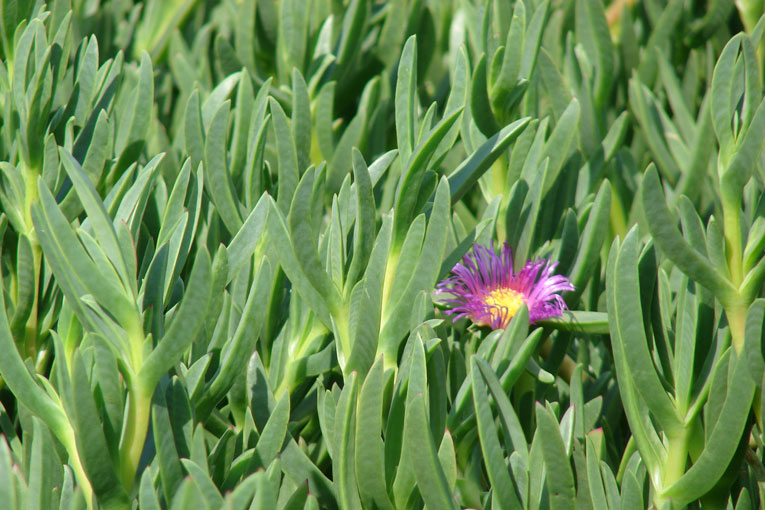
(487, 290)
(222, 224)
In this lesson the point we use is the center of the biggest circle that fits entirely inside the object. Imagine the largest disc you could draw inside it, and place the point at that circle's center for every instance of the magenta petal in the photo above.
(484, 271)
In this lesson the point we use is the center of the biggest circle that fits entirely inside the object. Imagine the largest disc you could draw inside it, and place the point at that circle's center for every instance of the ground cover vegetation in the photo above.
(365, 254)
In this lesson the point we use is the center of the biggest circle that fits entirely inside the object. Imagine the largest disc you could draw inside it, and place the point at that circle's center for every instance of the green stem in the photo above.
(307, 344)
(134, 433)
(31, 195)
(31, 327)
(138, 407)
(66, 437)
(390, 360)
(136, 338)
(732, 229)
(674, 466)
(390, 272)
(735, 311)
(737, 322)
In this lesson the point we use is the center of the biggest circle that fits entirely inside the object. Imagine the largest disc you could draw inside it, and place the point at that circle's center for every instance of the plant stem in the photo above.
(732, 229)
(674, 466)
(677, 456)
(735, 311)
(66, 437)
(136, 338)
(134, 433)
(31, 195)
(737, 321)
(390, 273)
(390, 358)
(308, 343)
(31, 327)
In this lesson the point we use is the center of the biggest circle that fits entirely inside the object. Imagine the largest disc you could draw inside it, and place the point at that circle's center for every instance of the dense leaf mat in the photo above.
(368, 254)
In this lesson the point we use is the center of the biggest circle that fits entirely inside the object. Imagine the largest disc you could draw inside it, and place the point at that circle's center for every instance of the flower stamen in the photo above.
(502, 304)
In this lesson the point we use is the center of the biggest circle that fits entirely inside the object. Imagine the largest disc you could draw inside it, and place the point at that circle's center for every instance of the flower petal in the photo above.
(482, 272)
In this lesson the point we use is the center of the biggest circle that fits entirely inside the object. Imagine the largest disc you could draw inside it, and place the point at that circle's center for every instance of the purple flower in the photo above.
(487, 290)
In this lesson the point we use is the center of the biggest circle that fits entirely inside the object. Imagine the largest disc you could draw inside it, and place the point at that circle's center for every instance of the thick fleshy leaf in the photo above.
(662, 224)
(185, 325)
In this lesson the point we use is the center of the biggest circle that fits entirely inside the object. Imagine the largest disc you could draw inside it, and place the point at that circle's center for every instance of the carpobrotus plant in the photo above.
(231, 232)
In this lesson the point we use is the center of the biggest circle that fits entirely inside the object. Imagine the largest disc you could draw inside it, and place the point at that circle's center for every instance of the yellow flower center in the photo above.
(503, 303)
